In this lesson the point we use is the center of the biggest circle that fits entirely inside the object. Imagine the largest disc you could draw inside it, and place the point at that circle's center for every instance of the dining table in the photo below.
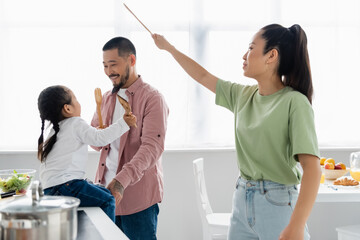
(328, 192)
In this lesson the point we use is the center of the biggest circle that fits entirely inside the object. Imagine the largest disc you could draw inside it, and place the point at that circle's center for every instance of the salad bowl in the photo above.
(18, 180)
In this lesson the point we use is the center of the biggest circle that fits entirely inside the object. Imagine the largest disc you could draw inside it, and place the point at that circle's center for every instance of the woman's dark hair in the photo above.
(123, 45)
(294, 64)
(50, 103)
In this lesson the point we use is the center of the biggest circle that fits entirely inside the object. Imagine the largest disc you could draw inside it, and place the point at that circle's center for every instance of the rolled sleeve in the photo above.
(152, 142)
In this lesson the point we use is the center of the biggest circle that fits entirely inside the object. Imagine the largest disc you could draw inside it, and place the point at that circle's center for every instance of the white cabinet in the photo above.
(349, 232)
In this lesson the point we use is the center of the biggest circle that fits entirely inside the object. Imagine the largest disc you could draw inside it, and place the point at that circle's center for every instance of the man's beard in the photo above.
(123, 80)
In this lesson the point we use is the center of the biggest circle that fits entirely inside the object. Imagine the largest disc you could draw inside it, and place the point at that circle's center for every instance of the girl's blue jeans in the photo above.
(90, 195)
(262, 210)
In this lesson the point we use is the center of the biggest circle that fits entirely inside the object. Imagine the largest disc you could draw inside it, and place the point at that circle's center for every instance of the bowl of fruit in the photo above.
(332, 170)
(18, 180)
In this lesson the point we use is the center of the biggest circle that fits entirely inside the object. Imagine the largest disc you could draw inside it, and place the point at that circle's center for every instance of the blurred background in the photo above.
(48, 42)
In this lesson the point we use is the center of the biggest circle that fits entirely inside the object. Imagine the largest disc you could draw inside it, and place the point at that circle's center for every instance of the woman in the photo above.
(274, 128)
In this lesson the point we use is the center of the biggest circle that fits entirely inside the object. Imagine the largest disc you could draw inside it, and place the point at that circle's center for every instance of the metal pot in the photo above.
(39, 217)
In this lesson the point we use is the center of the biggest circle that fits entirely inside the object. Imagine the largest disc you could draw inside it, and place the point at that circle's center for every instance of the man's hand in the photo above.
(117, 190)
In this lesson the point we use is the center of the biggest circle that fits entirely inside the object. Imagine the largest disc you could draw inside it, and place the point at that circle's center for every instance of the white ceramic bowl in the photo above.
(335, 173)
(16, 179)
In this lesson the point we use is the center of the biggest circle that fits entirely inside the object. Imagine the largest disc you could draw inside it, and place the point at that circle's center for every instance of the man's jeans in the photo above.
(141, 225)
(261, 210)
(90, 195)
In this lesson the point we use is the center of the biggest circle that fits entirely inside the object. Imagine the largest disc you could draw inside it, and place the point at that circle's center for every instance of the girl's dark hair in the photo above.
(123, 45)
(294, 64)
(50, 103)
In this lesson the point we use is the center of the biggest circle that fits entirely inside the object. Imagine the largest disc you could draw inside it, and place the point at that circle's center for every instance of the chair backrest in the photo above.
(200, 187)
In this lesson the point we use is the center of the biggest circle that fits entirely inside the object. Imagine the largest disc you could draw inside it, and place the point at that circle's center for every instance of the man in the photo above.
(131, 167)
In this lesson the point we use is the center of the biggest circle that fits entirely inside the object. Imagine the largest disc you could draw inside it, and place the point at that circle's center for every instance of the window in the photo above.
(45, 43)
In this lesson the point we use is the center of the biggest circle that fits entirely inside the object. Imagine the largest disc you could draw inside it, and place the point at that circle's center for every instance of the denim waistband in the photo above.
(262, 185)
(68, 182)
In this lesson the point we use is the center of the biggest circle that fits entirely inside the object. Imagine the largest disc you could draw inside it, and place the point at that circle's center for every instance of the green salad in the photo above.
(18, 182)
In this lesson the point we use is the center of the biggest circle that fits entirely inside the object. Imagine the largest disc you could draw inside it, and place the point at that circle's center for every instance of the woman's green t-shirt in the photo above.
(269, 130)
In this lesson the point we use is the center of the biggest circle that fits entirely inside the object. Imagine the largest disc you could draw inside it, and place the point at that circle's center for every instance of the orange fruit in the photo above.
(330, 160)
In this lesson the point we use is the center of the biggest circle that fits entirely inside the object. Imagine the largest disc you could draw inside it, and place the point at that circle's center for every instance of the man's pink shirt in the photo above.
(140, 168)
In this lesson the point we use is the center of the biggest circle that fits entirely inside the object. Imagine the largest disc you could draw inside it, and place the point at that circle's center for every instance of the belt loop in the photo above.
(262, 190)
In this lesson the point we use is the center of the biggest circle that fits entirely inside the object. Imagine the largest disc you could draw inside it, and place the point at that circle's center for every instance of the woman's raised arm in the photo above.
(197, 72)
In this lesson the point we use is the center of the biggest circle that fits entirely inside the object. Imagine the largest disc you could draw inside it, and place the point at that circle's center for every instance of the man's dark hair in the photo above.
(123, 45)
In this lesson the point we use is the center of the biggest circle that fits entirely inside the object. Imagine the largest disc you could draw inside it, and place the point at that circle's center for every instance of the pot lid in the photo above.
(46, 204)
(39, 203)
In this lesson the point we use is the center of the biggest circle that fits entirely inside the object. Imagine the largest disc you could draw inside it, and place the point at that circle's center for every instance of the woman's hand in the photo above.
(197, 72)
(161, 42)
(292, 233)
(310, 182)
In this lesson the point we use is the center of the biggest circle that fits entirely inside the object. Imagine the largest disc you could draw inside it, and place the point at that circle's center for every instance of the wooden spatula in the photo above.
(125, 105)
(137, 18)
(98, 99)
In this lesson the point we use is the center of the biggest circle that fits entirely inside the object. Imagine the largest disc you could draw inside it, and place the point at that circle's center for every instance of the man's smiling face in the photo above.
(116, 67)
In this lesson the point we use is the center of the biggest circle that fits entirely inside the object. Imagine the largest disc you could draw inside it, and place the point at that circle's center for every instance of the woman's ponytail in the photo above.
(294, 63)
(300, 77)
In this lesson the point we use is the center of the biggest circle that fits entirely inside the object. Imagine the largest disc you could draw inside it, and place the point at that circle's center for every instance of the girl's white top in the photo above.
(68, 157)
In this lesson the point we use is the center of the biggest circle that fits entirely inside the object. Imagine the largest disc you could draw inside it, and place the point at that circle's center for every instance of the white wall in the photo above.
(179, 219)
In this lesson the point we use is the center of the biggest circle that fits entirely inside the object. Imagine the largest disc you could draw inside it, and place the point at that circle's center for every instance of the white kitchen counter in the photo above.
(107, 228)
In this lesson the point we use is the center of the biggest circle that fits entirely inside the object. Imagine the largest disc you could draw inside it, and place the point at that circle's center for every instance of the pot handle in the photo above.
(36, 192)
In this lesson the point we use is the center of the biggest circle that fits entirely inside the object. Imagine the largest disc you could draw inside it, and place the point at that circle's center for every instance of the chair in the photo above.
(215, 225)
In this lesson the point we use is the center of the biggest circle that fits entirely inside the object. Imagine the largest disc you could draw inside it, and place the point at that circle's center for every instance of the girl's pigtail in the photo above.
(51, 141)
(50, 103)
(41, 141)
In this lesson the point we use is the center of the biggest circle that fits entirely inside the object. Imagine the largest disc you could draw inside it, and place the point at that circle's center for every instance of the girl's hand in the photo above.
(130, 119)
(103, 127)
(161, 42)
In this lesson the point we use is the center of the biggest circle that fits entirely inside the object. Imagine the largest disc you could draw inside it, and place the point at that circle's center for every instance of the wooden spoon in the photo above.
(125, 105)
(98, 99)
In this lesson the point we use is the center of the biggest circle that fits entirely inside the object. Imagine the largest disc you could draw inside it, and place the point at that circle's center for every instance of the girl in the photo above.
(64, 154)
(276, 114)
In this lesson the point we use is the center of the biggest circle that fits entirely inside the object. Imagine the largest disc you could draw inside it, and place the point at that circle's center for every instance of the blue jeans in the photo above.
(90, 195)
(141, 225)
(262, 210)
